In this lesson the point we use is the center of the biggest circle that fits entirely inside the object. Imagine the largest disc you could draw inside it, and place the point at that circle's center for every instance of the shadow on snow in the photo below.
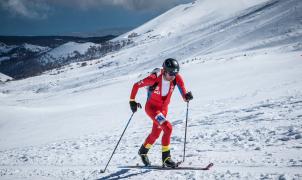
(121, 174)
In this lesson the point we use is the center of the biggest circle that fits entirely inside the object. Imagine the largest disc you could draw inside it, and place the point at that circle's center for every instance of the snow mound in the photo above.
(4, 78)
(5, 48)
(68, 49)
(35, 48)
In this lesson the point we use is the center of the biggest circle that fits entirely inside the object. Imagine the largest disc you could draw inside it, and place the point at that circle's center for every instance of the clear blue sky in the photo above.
(61, 17)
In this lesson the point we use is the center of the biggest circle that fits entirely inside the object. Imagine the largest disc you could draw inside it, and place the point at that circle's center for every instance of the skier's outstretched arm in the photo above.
(187, 96)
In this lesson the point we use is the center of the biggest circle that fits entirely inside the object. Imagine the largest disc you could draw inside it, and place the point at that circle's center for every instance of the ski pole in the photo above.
(183, 160)
(102, 171)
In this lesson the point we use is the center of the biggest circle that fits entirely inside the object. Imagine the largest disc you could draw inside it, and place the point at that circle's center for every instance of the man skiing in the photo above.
(161, 85)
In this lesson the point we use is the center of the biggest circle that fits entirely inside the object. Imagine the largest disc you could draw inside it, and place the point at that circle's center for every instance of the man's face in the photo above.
(169, 76)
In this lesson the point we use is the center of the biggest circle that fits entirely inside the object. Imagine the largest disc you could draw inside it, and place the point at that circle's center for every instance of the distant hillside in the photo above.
(26, 56)
(51, 41)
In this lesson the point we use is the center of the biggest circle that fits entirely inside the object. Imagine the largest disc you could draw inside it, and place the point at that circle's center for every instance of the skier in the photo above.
(161, 86)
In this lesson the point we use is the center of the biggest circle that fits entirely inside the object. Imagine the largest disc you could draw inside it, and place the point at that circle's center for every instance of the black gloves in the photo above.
(134, 105)
(189, 96)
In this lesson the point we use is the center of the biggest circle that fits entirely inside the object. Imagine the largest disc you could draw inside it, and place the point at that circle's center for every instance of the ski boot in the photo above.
(167, 161)
(143, 154)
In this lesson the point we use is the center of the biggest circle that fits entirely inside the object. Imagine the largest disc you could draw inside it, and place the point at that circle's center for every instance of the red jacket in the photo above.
(155, 96)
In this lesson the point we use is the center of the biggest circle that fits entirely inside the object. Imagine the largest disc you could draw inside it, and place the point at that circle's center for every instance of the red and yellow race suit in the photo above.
(157, 106)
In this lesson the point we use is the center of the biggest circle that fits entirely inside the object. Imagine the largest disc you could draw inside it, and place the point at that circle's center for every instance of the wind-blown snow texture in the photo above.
(242, 64)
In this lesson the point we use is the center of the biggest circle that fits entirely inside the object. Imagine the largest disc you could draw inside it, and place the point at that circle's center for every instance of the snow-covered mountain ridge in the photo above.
(26, 60)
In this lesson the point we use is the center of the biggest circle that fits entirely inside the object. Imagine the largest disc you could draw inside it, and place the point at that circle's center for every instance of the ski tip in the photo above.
(209, 166)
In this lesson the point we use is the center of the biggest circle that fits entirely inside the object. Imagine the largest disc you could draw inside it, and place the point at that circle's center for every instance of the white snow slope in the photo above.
(4, 78)
(240, 59)
(35, 48)
(68, 49)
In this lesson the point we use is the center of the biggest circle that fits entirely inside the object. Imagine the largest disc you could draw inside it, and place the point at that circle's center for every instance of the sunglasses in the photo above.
(172, 73)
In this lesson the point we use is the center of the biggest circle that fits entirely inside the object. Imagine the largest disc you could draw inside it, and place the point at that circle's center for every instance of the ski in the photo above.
(156, 167)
